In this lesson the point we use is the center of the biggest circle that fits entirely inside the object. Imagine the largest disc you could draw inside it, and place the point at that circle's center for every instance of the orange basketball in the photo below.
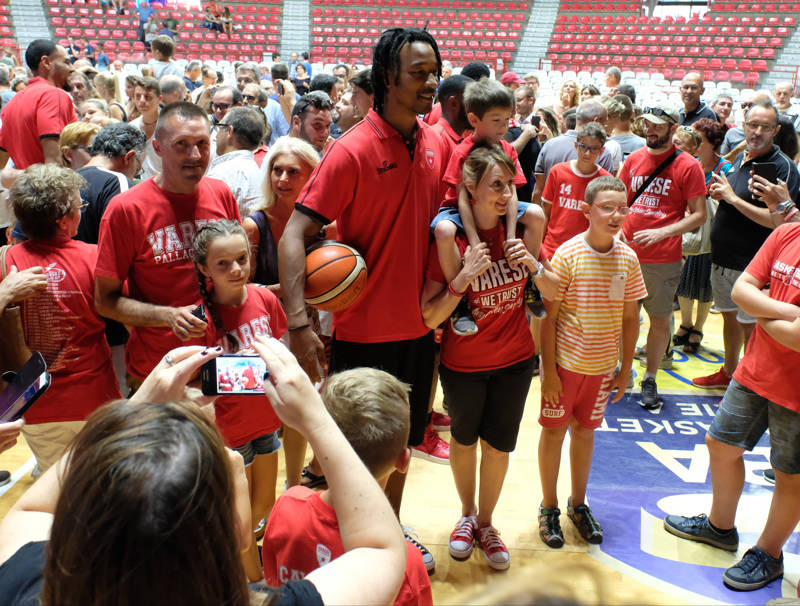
(335, 276)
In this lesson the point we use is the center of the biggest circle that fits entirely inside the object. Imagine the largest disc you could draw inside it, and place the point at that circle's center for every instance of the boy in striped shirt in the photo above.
(596, 307)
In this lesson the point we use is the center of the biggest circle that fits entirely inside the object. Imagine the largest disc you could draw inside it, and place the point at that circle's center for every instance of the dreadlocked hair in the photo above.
(212, 230)
(386, 58)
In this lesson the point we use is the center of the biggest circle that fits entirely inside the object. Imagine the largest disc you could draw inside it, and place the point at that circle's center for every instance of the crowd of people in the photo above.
(505, 238)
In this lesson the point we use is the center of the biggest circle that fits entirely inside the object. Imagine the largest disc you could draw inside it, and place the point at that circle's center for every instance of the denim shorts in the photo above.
(262, 445)
(744, 416)
(450, 213)
(722, 281)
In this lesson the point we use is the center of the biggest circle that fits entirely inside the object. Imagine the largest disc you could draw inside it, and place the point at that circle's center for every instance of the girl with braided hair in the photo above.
(239, 312)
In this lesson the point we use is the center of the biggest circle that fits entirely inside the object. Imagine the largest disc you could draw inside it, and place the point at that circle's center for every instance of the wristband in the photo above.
(453, 291)
(301, 327)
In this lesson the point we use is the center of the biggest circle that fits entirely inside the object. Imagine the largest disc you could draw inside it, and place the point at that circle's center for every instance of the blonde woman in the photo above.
(75, 142)
(107, 87)
(567, 97)
(288, 167)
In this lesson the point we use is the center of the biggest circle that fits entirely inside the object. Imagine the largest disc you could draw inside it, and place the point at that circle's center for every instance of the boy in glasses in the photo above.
(565, 187)
(595, 310)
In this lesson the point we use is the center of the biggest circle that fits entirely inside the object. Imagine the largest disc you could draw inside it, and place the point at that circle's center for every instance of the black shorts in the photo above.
(410, 361)
(487, 404)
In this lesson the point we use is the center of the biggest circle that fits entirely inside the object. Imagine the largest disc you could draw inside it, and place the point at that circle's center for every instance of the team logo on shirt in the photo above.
(174, 242)
(430, 158)
(323, 554)
(54, 274)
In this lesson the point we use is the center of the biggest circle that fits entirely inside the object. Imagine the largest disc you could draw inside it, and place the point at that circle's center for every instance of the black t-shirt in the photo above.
(735, 239)
(21, 577)
(701, 111)
(527, 160)
(102, 185)
(21, 581)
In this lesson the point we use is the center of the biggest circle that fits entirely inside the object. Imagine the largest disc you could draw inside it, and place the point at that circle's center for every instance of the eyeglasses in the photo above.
(765, 127)
(85, 148)
(610, 209)
(588, 148)
(220, 106)
(745, 105)
(249, 97)
(222, 125)
(658, 112)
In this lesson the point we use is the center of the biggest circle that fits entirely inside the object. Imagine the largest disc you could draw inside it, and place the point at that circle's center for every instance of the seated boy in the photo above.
(596, 306)
(372, 410)
(489, 106)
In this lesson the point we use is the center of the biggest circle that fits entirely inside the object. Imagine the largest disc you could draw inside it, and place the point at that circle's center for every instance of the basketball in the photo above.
(335, 276)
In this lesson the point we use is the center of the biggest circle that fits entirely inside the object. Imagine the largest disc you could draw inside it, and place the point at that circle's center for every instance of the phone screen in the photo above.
(536, 121)
(234, 375)
(31, 382)
(766, 170)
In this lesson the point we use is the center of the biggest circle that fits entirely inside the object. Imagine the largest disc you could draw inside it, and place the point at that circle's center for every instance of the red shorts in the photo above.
(583, 398)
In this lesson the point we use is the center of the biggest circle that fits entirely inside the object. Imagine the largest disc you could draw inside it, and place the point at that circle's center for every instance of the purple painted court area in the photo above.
(626, 478)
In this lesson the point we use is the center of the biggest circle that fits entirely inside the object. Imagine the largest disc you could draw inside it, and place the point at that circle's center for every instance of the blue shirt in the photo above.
(276, 120)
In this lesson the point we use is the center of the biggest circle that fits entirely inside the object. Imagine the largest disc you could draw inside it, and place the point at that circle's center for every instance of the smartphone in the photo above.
(30, 382)
(234, 375)
(280, 88)
(199, 312)
(536, 121)
(767, 170)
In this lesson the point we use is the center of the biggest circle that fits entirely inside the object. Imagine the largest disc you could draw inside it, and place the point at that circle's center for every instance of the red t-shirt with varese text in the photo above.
(243, 418)
(496, 301)
(564, 190)
(768, 367)
(146, 238)
(663, 202)
(453, 175)
(303, 534)
(382, 201)
(63, 325)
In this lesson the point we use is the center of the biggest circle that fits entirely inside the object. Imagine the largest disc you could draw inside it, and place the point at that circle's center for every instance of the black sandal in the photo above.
(692, 346)
(684, 338)
(311, 480)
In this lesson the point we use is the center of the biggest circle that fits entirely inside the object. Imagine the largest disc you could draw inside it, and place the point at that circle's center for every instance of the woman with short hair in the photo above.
(60, 322)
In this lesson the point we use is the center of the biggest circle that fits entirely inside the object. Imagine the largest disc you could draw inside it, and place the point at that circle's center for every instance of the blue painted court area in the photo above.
(650, 464)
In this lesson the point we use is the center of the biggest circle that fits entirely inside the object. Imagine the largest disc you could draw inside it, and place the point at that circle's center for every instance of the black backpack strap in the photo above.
(659, 169)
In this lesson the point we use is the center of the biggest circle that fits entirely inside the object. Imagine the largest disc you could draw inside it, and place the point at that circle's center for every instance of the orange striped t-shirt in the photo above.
(594, 288)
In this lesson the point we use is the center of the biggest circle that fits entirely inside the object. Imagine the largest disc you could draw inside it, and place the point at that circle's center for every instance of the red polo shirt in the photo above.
(39, 110)
(382, 200)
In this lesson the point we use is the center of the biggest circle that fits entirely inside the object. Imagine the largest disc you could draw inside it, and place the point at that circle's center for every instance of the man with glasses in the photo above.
(741, 226)
(311, 119)
(562, 148)
(785, 138)
(657, 220)
(693, 108)
(238, 136)
(255, 96)
(223, 98)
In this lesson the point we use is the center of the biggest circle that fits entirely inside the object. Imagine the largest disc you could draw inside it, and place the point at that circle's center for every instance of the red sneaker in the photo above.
(494, 549)
(433, 448)
(440, 422)
(718, 380)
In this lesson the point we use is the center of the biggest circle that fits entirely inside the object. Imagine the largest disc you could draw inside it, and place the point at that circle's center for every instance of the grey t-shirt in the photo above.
(562, 149)
(629, 144)
(733, 137)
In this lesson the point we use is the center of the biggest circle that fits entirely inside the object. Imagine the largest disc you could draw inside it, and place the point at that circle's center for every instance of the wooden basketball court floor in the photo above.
(646, 465)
